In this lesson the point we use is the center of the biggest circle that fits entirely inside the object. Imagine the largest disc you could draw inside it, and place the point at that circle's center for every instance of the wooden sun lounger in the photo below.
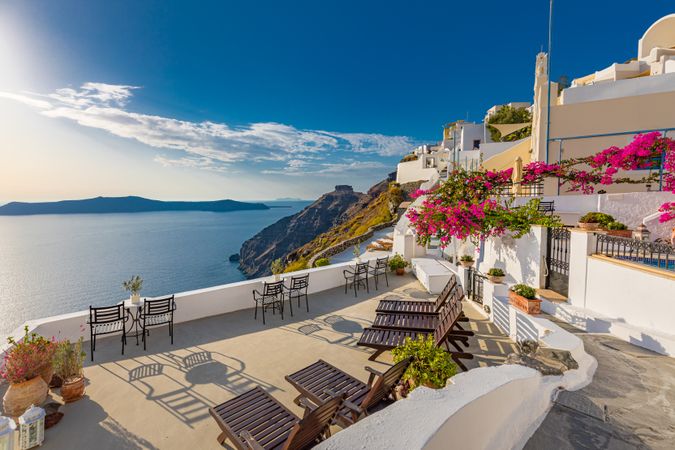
(255, 420)
(418, 306)
(313, 382)
(383, 340)
(417, 321)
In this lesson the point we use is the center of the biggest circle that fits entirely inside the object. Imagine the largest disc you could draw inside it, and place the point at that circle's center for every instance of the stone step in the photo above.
(551, 296)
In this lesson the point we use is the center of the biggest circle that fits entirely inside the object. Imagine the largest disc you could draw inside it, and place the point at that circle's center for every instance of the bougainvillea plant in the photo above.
(645, 152)
(27, 358)
(469, 205)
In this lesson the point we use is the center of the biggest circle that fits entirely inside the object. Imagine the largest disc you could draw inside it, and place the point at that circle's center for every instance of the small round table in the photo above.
(136, 308)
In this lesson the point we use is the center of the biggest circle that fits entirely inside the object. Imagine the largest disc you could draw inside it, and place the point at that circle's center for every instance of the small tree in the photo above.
(430, 366)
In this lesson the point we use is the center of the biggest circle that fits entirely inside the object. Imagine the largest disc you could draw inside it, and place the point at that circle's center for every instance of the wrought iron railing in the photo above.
(654, 254)
(522, 190)
(476, 281)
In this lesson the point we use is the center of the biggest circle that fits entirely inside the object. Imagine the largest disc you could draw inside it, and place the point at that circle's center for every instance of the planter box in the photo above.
(589, 226)
(525, 304)
(621, 233)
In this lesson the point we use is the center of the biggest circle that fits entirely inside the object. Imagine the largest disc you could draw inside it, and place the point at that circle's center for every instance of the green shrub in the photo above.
(68, 359)
(525, 291)
(397, 262)
(616, 226)
(466, 258)
(322, 262)
(597, 217)
(430, 366)
(496, 272)
(277, 266)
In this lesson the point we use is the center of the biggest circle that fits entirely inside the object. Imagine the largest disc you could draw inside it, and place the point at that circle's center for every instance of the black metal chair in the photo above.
(357, 277)
(155, 313)
(272, 295)
(297, 288)
(380, 269)
(107, 320)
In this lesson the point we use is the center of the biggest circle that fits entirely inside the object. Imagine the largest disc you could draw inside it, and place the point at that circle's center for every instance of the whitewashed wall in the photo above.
(410, 171)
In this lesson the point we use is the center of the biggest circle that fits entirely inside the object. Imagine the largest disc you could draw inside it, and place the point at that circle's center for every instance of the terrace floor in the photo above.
(159, 398)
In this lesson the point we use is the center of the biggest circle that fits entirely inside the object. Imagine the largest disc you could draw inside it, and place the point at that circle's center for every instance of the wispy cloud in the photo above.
(211, 145)
(301, 168)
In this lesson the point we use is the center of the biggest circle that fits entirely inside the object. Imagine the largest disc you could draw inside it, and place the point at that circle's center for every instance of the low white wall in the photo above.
(522, 259)
(190, 305)
(410, 171)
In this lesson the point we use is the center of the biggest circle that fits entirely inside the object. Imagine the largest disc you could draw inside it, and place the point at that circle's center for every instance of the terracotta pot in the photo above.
(72, 390)
(20, 396)
(400, 271)
(621, 233)
(589, 226)
(47, 373)
(466, 264)
(496, 279)
(529, 306)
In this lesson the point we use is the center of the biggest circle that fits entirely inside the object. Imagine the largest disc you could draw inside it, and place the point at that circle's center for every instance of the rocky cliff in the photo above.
(289, 233)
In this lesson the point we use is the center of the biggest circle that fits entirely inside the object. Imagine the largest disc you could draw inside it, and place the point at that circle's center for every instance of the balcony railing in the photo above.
(522, 190)
(653, 254)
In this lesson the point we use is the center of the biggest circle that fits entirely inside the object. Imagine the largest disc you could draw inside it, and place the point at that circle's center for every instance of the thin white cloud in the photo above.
(294, 169)
(207, 145)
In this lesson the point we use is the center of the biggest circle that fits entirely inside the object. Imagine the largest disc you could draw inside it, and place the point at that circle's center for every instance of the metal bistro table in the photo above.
(134, 310)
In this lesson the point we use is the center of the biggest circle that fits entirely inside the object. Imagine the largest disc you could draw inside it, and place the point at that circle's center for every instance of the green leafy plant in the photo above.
(277, 266)
(509, 114)
(466, 258)
(357, 250)
(496, 272)
(133, 285)
(397, 262)
(27, 358)
(430, 366)
(322, 262)
(69, 359)
(616, 226)
(601, 219)
(524, 291)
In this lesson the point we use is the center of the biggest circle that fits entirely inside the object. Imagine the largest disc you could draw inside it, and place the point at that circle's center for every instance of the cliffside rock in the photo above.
(548, 361)
(289, 233)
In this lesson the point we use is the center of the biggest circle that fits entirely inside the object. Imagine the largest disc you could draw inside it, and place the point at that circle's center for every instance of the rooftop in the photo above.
(159, 398)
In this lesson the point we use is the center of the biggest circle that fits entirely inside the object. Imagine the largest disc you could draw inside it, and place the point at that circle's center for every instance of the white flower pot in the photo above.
(277, 276)
(135, 298)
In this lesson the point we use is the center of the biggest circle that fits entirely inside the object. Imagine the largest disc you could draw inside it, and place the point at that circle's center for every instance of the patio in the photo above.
(160, 398)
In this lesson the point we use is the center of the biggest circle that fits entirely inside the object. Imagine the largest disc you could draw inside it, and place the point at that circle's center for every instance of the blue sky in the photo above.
(251, 100)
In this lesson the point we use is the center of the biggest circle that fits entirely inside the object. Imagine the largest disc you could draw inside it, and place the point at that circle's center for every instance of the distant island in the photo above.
(103, 205)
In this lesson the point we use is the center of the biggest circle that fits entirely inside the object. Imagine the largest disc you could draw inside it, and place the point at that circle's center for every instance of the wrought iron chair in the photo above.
(357, 277)
(297, 288)
(107, 320)
(272, 295)
(380, 269)
(155, 313)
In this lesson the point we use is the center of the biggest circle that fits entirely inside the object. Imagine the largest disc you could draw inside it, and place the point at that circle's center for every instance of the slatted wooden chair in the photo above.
(297, 288)
(357, 277)
(418, 306)
(380, 270)
(155, 313)
(314, 382)
(107, 320)
(384, 339)
(420, 322)
(256, 420)
(272, 295)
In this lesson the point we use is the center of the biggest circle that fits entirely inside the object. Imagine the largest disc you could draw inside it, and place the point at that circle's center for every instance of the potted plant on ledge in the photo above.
(524, 298)
(398, 264)
(618, 229)
(430, 365)
(134, 285)
(594, 220)
(27, 367)
(68, 361)
(277, 268)
(466, 261)
(496, 275)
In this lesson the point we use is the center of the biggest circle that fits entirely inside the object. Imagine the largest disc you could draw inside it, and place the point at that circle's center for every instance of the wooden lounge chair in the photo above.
(418, 306)
(255, 420)
(312, 382)
(420, 322)
(382, 339)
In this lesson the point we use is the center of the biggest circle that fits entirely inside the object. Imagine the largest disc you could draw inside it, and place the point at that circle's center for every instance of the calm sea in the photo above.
(54, 264)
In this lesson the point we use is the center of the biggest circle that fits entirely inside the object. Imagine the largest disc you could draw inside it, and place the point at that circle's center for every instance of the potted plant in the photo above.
(496, 275)
(618, 229)
(524, 298)
(25, 367)
(430, 365)
(277, 268)
(466, 261)
(134, 285)
(68, 361)
(357, 253)
(593, 220)
(398, 264)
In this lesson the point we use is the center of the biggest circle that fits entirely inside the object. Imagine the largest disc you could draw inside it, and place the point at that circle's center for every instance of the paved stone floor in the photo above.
(633, 388)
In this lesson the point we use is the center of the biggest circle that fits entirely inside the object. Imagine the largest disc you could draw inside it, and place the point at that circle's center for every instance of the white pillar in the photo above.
(582, 244)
